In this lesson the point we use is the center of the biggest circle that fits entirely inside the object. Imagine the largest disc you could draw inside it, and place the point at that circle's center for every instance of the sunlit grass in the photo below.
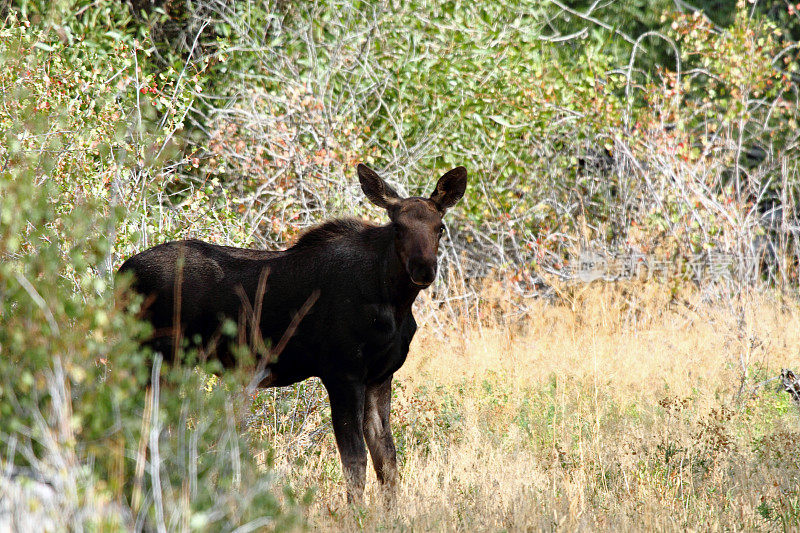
(625, 409)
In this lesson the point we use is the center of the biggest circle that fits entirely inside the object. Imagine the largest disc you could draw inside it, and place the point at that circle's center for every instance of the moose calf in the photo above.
(351, 282)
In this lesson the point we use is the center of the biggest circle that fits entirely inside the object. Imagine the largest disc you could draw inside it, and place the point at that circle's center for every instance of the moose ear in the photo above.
(450, 188)
(377, 190)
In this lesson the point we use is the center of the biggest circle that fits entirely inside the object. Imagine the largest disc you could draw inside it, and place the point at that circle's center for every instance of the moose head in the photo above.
(417, 221)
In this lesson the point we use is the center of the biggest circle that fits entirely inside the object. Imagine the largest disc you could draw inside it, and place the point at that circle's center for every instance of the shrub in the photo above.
(76, 415)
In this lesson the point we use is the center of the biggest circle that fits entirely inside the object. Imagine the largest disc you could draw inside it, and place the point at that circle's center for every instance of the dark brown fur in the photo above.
(362, 280)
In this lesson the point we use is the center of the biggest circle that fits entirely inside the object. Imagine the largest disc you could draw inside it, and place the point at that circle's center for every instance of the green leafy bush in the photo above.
(76, 414)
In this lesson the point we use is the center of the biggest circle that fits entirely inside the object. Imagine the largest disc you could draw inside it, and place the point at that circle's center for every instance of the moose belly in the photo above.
(373, 347)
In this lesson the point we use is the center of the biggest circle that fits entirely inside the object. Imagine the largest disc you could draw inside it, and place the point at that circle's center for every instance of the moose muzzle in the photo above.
(422, 272)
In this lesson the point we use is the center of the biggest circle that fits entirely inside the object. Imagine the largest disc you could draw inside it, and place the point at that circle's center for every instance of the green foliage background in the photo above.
(240, 122)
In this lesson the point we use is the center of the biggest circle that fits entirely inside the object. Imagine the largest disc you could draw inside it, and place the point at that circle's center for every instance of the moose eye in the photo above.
(441, 229)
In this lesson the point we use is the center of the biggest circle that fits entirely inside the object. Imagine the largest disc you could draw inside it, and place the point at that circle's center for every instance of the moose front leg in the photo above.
(378, 433)
(347, 415)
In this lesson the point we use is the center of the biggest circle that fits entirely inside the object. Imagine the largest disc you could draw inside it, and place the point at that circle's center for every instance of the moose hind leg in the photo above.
(347, 415)
(378, 433)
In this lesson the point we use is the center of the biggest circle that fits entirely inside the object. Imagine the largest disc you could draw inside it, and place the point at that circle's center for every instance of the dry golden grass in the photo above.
(618, 408)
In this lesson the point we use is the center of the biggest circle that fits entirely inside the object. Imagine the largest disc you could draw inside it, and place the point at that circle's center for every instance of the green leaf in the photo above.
(502, 121)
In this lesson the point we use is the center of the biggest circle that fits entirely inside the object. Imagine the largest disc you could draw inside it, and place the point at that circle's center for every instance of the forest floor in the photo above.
(620, 408)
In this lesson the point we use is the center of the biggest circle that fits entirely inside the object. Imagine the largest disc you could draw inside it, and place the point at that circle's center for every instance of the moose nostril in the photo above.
(421, 272)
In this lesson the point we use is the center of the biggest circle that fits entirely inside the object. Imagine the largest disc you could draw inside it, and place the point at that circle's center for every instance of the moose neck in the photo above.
(402, 291)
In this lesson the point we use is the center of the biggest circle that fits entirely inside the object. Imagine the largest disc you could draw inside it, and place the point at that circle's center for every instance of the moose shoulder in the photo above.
(337, 303)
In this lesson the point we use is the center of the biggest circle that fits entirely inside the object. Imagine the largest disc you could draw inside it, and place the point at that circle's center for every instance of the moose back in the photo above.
(336, 305)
